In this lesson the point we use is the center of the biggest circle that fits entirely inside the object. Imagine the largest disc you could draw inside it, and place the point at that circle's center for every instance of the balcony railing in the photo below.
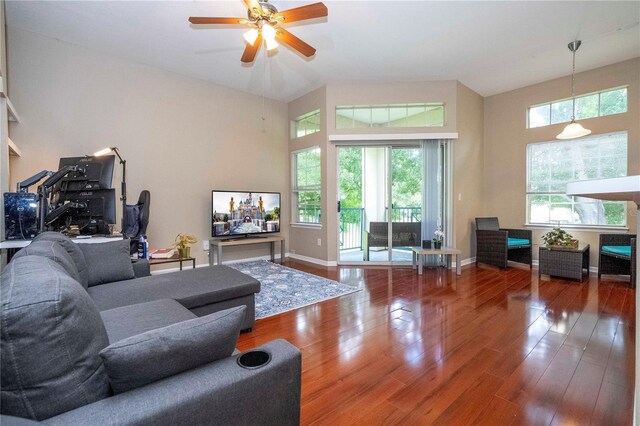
(352, 223)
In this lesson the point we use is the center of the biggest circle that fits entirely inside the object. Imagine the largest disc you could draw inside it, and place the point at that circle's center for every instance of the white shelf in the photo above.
(13, 115)
(615, 189)
(14, 151)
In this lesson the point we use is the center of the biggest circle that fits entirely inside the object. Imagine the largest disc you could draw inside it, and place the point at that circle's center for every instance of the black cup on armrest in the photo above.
(254, 359)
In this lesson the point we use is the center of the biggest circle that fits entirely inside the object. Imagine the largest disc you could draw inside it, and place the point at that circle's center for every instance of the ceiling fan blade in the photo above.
(214, 21)
(250, 51)
(253, 5)
(315, 10)
(293, 41)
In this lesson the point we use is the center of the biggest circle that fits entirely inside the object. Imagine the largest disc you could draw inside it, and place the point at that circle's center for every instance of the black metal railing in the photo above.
(351, 222)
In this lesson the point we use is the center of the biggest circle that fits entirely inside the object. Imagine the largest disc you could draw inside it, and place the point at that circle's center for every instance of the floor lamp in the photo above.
(123, 185)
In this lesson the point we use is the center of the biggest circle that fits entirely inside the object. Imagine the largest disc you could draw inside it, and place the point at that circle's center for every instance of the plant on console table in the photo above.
(437, 239)
(559, 238)
(183, 243)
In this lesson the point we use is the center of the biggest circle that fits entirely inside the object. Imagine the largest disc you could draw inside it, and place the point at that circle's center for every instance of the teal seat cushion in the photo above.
(518, 242)
(618, 250)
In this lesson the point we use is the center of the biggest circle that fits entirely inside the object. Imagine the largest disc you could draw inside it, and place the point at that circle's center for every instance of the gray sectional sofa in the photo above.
(78, 347)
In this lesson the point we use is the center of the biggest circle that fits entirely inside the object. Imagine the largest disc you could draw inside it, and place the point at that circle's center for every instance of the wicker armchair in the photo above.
(494, 248)
(617, 263)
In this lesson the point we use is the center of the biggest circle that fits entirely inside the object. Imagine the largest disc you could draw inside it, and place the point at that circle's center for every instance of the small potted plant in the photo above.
(438, 236)
(559, 238)
(183, 243)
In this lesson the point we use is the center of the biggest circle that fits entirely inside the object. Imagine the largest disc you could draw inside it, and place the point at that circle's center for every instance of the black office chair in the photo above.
(136, 219)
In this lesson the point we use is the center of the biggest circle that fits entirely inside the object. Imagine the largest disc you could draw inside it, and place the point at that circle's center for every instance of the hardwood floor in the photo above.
(489, 347)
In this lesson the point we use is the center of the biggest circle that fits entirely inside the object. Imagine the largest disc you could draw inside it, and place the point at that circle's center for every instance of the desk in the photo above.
(219, 244)
(173, 259)
(419, 252)
(13, 246)
(563, 262)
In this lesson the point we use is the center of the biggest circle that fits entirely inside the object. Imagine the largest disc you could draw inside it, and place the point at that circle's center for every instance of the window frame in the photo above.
(572, 199)
(305, 118)
(296, 189)
(573, 99)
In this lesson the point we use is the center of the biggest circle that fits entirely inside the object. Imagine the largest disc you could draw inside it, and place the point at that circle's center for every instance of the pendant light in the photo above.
(573, 129)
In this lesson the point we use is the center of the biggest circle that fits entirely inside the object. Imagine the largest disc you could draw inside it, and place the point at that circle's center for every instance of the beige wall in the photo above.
(304, 240)
(468, 194)
(506, 138)
(181, 137)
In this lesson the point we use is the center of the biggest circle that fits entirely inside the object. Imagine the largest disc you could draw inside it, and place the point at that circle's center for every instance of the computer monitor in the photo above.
(96, 173)
(91, 207)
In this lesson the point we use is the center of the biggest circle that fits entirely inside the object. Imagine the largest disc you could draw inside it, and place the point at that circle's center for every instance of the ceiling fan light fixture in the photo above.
(269, 33)
(251, 36)
(271, 43)
(573, 130)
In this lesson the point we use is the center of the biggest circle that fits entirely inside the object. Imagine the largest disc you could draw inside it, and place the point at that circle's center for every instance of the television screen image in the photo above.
(244, 213)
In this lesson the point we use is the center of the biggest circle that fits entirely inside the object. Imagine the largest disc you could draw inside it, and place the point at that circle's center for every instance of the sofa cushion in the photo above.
(128, 321)
(618, 250)
(54, 251)
(50, 340)
(192, 288)
(512, 242)
(156, 354)
(108, 262)
(71, 248)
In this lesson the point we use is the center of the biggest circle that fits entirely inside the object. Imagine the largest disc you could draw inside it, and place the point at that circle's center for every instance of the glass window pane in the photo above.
(361, 117)
(551, 165)
(613, 102)
(561, 111)
(587, 106)
(344, 118)
(435, 116)
(380, 117)
(540, 116)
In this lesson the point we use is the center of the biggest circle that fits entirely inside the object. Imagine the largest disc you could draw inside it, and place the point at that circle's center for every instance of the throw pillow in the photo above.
(51, 336)
(71, 248)
(164, 352)
(53, 251)
(108, 262)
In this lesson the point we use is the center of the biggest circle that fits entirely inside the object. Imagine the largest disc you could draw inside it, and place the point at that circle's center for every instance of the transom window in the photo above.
(607, 102)
(306, 124)
(390, 115)
(305, 165)
(551, 165)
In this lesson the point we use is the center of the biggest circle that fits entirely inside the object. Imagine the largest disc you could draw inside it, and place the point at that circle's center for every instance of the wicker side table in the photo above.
(564, 262)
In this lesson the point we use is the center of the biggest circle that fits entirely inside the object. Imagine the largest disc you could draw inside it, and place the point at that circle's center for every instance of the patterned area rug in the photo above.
(283, 289)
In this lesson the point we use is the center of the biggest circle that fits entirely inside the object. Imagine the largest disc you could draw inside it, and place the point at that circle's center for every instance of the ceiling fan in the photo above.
(265, 21)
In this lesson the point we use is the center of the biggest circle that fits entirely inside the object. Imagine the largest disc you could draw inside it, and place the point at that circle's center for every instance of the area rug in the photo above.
(283, 289)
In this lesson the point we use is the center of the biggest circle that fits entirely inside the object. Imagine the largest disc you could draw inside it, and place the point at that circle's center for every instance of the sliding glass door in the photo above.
(380, 203)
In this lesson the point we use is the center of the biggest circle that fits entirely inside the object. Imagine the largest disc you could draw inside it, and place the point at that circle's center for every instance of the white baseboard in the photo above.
(313, 260)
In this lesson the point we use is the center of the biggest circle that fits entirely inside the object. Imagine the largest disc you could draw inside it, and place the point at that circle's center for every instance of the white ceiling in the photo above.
(492, 47)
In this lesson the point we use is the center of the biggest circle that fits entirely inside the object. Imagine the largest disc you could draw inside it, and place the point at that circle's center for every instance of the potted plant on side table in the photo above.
(438, 236)
(183, 243)
(559, 238)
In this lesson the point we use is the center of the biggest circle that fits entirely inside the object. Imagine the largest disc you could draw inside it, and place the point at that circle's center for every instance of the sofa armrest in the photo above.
(141, 268)
(494, 239)
(221, 392)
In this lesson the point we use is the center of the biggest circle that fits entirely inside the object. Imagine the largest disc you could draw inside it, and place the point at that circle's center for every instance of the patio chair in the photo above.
(618, 255)
(496, 246)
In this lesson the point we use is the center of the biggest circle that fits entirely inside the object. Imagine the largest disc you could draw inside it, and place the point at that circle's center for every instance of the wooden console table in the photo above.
(241, 241)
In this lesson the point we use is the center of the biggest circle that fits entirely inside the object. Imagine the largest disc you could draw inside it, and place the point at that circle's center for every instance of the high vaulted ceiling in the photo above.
(492, 47)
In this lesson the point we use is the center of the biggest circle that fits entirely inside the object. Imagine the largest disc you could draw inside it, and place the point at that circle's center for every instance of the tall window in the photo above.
(305, 165)
(306, 124)
(607, 102)
(551, 165)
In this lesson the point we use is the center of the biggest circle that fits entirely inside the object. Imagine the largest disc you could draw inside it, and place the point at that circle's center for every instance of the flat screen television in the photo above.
(236, 213)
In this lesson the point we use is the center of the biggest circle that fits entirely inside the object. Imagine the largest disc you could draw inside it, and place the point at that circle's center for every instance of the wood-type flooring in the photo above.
(489, 347)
